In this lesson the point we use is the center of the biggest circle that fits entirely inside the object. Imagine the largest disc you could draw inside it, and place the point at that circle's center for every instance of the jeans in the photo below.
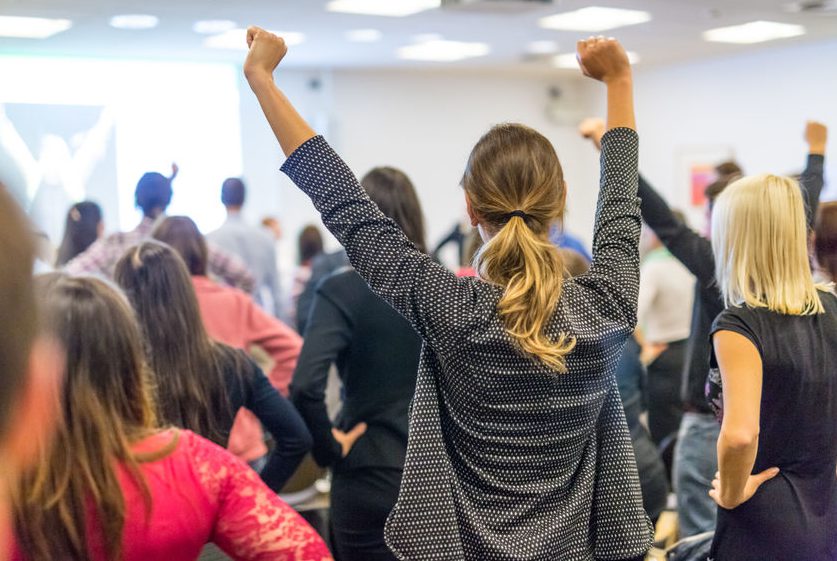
(695, 464)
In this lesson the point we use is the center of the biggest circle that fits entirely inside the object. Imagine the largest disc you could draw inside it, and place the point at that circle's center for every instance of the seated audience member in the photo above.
(153, 195)
(517, 431)
(83, 226)
(825, 242)
(772, 383)
(201, 384)
(231, 317)
(315, 265)
(376, 352)
(114, 485)
(251, 244)
(664, 314)
(695, 460)
(30, 366)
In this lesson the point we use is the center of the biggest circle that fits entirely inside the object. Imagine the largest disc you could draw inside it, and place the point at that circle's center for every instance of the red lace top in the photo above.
(200, 494)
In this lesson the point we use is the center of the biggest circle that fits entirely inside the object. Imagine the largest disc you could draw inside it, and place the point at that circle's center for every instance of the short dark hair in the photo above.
(310, 243)
(17, 302)
(727, 172)
(182, 234)
(233, 192)
(153, 193)
(393, 192)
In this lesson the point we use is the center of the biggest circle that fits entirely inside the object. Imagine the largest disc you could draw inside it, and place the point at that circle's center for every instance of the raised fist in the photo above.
(266, 52)
(593, 128)
(603, 59)
(816, 135)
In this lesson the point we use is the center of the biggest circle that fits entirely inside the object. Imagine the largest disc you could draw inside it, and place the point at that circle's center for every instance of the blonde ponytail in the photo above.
(531, 269)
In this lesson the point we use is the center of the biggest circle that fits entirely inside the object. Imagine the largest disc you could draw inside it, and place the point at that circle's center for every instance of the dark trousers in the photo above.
(665, 408)
(361, 500)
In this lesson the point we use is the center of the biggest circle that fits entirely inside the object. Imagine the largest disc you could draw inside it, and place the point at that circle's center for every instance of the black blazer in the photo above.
(377, 353)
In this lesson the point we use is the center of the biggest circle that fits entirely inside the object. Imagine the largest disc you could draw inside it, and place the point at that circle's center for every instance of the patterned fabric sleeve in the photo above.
(437, 303)
(614, 273)
(98, 259)
(230, 269)
(252, 523)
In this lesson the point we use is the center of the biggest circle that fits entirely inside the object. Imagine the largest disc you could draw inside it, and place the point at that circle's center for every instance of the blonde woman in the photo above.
(773, 381)
(518, 447)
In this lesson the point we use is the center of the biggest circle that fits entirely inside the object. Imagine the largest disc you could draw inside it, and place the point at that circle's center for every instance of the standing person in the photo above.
(30, 365)
(231, 317)
(695, 461)
(315, 265)
(114, 485)
(773, 380)
(664, 313)
(153, 195)
(825, 241)
(82, 227)
(251, 244)
(376, 352)
(202, 384)
(518, 445)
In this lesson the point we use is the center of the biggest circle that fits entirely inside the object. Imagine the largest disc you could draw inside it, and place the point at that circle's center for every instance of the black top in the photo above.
(506, 459)
(695, 252)
(252, 389)
(376, 352)
(794, 515)
(322, 266)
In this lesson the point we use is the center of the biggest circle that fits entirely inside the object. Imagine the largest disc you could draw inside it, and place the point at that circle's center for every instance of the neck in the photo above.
(233, 210)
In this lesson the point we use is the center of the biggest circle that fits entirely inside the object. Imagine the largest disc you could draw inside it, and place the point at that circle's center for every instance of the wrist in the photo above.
(619, 80)
(816, 149)
(258, 78)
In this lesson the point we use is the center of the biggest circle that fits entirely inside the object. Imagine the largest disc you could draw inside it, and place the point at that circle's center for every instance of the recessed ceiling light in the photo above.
(212, 26)
(443, 51)
(237, 39)
(392, 8)
(542, 47)
(134, 21)
(32, 28)
(569, 60)
(594, 18)
(364, 35)
(753, 32)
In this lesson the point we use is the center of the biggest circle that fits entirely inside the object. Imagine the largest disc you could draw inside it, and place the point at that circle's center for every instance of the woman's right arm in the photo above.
(614, 272)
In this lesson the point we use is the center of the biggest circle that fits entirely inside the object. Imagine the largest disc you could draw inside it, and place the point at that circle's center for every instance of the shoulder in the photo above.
(744, 320)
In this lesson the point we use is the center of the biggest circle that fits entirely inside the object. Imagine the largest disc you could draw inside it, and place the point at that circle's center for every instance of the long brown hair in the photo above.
(393, 192)
(188, 366)
(181, 233)
(515, 168)
(825, 240)
(106, 406)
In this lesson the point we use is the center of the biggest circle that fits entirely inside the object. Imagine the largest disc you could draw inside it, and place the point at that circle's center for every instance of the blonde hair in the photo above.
(515, 168)
(760, 240)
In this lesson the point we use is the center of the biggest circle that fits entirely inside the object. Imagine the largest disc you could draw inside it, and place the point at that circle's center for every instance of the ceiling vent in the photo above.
(825, 7)
(495, 6)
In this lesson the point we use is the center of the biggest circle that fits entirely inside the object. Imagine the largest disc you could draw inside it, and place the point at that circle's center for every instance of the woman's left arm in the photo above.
(741, 371)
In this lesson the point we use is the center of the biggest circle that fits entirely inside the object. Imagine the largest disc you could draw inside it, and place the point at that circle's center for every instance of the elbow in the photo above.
(740, 438)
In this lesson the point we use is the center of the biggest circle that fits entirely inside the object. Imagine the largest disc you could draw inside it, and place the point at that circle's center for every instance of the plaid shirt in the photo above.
(101, 257)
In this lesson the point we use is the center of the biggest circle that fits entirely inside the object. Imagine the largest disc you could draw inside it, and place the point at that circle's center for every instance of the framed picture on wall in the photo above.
(696, 170)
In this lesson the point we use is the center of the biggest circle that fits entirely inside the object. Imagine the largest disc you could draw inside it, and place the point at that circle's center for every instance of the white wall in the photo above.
(424, 123)
(756, 104)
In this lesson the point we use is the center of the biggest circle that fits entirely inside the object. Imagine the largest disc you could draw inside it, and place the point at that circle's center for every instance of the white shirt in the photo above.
(666, 295)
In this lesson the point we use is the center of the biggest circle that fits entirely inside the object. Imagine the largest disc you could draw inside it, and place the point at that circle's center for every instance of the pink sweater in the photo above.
(199, 494)
(231, 317)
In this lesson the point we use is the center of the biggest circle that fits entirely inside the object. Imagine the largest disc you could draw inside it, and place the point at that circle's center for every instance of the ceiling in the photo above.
(674, 34)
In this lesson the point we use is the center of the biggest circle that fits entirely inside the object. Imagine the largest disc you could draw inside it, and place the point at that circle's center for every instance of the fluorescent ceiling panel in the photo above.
(391, 8)
(443, 51)
(364, 35)
(32, 28)
(237, 39)
(753, 32)
(594, 19)
(134, 21)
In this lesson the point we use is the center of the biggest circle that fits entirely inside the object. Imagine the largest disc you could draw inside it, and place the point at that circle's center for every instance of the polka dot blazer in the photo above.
(506, 459)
